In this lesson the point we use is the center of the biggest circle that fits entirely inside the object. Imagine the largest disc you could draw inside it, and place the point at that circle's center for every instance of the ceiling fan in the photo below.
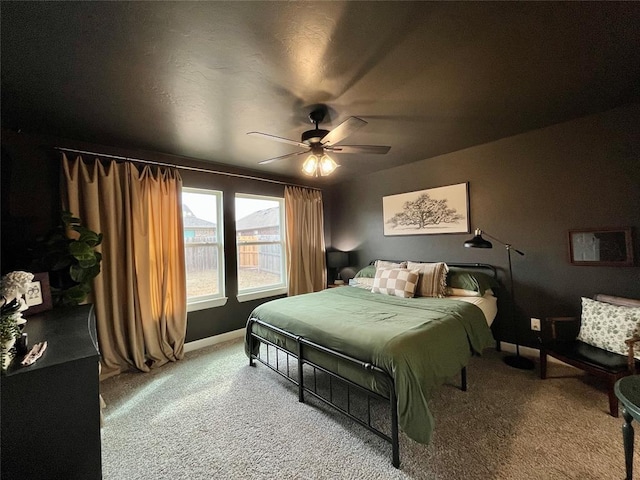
(319, 142)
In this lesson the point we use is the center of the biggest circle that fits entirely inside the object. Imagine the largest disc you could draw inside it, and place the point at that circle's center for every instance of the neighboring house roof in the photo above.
(269, 217)
(190, 220)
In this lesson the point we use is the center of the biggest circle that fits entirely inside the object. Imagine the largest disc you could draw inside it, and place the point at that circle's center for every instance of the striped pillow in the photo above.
(400, 282)
(433, 279)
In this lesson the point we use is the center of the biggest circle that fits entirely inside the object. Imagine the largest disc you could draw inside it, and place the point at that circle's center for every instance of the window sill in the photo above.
(247, 297)
(204, 304)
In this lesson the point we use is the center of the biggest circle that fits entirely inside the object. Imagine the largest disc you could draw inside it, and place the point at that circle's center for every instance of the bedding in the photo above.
(387, 264)
(420, 342)
(400, 282)
(367, 272)
(470, 280)
(487, 303)
(433, 278)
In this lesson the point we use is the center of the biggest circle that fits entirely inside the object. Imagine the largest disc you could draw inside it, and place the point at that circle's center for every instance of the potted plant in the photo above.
(69, 254)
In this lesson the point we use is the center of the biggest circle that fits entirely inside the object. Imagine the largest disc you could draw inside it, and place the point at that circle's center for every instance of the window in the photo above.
(203, 248)
(261, 248)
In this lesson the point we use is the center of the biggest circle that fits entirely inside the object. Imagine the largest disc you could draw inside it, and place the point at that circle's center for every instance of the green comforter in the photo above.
(421, 342)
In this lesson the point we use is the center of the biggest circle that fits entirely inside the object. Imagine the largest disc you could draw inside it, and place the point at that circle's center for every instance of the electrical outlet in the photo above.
(535, 324)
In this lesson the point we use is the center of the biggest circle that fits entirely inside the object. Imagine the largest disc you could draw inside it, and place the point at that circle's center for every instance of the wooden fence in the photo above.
(200, 257)
(263, 258)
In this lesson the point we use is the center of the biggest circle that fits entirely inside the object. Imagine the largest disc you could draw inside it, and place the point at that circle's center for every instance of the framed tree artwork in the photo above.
(427, 212)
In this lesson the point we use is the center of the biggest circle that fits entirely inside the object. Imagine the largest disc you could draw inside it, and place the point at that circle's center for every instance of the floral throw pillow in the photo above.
(608, 326)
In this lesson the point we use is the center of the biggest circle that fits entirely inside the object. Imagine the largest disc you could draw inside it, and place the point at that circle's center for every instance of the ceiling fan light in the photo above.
(327, 165)
(310, 165)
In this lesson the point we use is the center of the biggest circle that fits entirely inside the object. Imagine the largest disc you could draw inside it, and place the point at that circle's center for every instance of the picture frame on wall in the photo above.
(607, 247)
(427, 212)
(38, 296)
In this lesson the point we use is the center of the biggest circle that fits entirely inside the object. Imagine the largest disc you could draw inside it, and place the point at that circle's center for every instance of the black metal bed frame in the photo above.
(304, 344)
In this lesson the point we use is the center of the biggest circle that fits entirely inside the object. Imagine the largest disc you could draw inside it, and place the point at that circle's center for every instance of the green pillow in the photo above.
(470, 280)
(367, 272)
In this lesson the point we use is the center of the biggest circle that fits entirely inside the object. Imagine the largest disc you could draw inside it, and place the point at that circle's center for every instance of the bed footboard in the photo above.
(279, 359)
(273, 361)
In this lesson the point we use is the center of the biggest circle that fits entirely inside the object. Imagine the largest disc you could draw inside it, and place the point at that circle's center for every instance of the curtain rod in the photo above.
(183, 167)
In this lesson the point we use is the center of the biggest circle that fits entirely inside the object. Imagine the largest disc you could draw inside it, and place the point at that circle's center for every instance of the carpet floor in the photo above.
(211, 416)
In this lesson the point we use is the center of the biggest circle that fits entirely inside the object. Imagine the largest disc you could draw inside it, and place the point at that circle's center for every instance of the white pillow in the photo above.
(400, 282)
(386, 264)
(461, 292)
(607, 326)
(362, 282)
(433, 278)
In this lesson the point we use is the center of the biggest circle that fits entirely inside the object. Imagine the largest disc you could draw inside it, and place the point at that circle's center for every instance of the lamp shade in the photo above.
(337, 259)
(319, 165)
(327, 165)
(477, 241)
(310, 165)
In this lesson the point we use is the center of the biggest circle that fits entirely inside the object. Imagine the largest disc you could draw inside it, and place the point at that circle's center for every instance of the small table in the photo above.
(628, 392)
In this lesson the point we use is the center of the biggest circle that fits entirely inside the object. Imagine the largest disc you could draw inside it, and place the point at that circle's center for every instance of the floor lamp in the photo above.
(478, 242)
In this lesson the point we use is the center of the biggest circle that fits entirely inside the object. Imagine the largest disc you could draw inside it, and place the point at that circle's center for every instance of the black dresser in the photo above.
(50, 411)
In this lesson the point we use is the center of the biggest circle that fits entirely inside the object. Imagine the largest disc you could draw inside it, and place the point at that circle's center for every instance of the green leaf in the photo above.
(80, 249)
(84, 274)
(77, 293)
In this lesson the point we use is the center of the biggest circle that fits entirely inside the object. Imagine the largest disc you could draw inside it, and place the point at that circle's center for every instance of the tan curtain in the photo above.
(306, 264)
(140, 295)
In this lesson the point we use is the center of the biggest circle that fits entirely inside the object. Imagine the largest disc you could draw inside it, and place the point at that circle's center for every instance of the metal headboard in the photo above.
(473, 266)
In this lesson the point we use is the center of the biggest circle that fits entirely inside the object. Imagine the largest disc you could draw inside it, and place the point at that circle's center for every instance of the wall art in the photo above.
(427, 212)
(612, 247)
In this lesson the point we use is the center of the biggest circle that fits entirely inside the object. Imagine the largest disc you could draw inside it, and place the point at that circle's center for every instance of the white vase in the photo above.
(7, 356)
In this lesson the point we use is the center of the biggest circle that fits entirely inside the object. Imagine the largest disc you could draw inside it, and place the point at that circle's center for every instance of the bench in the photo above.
(596, 361)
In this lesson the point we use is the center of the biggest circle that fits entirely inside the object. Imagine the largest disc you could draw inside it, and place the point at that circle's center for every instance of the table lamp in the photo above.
(337, 260)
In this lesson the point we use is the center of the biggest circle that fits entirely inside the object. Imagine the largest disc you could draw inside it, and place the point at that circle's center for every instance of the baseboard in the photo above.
(207, 342)
(532, 353)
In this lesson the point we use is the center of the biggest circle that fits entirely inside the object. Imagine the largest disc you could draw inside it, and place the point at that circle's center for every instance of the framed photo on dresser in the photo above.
(38, 296)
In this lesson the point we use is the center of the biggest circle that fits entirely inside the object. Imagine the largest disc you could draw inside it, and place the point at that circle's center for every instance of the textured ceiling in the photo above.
(192, 78)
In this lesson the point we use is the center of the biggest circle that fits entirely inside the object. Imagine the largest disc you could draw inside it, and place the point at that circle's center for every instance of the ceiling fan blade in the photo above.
(281, 157)
(342, 131)
(278, 139)
(364, 149)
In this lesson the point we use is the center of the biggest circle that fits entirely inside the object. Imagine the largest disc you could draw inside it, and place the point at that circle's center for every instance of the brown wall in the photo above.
(528, 190)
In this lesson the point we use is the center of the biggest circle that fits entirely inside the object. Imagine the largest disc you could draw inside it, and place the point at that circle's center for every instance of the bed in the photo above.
(388, 347)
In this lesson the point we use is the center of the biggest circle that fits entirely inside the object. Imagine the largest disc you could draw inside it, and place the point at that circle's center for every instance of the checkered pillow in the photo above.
(400, 282)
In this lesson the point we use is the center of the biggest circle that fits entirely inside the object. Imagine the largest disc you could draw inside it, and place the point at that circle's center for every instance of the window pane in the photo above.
(259, 266)
(202, 243)
(260, 241)
(256, 216)
(202, 269)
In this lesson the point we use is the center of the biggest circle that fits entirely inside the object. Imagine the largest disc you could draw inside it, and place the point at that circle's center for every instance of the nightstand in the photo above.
(333, 285)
